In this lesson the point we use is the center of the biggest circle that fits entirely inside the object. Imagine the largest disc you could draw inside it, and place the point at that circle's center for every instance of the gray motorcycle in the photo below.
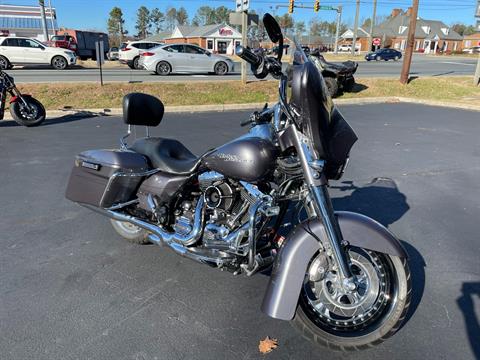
(341, 278)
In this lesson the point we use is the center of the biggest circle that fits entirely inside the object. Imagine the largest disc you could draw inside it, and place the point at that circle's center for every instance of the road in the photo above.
(421, 66)
(72, 289)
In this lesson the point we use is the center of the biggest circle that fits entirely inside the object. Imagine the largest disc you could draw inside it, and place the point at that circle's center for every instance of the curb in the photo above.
(231, 107)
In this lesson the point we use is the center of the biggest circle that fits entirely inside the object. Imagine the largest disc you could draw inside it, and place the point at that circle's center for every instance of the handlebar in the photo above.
(248, 55)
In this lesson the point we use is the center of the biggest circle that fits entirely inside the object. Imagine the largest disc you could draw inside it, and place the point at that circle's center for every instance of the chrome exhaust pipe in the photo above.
(164, 237)
(175, 241)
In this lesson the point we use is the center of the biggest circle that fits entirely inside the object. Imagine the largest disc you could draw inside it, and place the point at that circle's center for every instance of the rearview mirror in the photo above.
(274, 32)
(273, 29)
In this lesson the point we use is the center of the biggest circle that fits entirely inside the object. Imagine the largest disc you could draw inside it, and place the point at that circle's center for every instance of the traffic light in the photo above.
(316, 5)
(291, 5)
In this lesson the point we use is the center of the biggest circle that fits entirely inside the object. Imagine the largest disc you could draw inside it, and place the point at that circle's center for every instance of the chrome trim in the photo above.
(165, 236)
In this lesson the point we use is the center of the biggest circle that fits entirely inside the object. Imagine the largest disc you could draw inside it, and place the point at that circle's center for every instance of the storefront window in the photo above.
(209, 44)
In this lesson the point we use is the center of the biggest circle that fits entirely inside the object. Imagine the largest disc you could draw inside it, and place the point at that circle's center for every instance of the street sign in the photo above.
(236, 19)
(322, 7)
(100, 53)
(376, 41)
(242, 5)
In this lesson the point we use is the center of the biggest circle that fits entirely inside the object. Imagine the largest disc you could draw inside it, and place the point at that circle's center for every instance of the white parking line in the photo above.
(199, 75)
(457, 63)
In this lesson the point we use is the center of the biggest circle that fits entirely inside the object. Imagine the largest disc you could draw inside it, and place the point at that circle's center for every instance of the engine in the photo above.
(227, 203)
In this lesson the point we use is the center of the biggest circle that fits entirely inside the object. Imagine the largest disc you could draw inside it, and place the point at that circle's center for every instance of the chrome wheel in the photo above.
(130, 232)
(59, 62)
(163, 68)
(333, 308)
(4, 64)
(129, 228)
(221, 68)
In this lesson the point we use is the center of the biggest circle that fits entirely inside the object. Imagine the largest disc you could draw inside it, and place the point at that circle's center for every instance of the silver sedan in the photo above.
(184, 58)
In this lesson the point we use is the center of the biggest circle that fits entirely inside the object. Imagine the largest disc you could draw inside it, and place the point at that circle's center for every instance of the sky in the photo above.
(93, 14)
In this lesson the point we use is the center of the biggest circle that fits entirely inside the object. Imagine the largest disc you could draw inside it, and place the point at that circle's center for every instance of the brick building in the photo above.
(218, 38)
(431, 36)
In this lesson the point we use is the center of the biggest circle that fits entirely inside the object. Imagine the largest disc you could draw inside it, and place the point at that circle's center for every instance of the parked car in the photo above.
(169, 58)
(20, 51)
(384, 54)
(85, 42)
(348, 48)
(130, 53)
(472, 50)
(112, 54)
(338, 76)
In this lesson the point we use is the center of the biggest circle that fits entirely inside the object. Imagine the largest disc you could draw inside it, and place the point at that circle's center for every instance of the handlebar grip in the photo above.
(248, 55)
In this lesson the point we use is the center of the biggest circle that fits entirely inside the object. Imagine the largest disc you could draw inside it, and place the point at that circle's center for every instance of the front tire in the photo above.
(130, 232)
(28, 117)
(360, 319)
(59, 62)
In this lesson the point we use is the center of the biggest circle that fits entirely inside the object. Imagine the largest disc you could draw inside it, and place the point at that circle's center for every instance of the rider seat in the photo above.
(167, 155)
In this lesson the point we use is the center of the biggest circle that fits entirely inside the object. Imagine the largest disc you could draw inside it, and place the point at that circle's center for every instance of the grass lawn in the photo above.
(447, 89)
(91, 95)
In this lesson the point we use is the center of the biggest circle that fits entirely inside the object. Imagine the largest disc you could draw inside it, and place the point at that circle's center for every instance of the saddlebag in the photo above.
(104, 178)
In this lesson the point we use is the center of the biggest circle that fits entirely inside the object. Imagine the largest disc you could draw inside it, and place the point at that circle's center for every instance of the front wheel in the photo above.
(59, 62)
(331, 316)
(221, 68)
(33, 115)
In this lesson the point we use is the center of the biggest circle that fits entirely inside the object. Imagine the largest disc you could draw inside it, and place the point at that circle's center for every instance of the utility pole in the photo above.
(372, 25)
(476, 79)
(244, 44)
(337, 30)
(44, 19)
(410, 43)
(51, 16)
(355, 28)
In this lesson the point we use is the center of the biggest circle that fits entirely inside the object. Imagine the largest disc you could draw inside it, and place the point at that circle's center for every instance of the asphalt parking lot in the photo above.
(70, 288)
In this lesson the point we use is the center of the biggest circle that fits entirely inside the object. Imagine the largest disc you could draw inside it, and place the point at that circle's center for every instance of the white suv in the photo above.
(19, 51)
(130, 53)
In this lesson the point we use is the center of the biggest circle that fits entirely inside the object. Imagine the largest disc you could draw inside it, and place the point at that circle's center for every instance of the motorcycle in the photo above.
(341, 278)
(25, 109)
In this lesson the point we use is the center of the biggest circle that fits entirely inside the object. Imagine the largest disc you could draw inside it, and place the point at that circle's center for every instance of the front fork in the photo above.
(322, 205)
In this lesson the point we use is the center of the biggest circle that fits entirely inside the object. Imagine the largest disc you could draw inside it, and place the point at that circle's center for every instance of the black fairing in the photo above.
(250, 159)
(332, 135)
(142, 109)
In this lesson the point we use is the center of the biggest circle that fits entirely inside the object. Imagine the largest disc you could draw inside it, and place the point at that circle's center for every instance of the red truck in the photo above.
(81, 42)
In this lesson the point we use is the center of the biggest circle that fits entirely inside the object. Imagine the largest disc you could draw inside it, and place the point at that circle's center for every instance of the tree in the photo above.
(222, 15)
(205, 16)
(171, 18)
(299, 28)
(286, 23)
(115, 26)
(463, 29)
(157, 19)
(181, 16)
(366, 24)
(143, 22)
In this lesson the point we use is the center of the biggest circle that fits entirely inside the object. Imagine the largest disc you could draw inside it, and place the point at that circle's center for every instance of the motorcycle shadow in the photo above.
(466, 303)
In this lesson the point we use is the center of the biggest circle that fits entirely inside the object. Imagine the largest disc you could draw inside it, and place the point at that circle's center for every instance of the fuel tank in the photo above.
(248, 159)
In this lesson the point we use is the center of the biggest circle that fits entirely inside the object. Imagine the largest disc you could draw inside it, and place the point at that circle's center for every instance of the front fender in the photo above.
(288, 273)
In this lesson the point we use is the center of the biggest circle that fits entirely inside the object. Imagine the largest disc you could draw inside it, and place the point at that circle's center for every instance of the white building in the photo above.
(19, 20)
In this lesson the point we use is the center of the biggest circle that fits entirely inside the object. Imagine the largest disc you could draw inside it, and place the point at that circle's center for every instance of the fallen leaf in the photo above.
(267, 345)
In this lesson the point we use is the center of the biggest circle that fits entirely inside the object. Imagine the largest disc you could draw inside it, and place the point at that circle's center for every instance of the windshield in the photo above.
(298, 57)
